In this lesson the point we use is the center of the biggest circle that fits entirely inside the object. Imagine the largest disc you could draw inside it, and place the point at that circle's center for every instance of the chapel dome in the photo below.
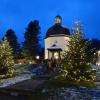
(57, 29)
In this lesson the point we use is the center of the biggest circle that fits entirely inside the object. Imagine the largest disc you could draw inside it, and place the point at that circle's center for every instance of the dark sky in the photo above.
(17, 14)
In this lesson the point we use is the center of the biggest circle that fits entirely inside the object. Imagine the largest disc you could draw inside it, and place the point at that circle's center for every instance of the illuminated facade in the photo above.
(56, 40)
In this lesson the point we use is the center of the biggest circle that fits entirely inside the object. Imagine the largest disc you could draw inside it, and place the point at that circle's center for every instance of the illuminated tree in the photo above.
(6, 59)
(76, 64)
(12, 39)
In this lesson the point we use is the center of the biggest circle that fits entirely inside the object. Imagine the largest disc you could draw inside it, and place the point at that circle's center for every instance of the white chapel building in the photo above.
(56, 40)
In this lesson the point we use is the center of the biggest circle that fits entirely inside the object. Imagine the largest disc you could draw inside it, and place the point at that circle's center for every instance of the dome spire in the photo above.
(58, 19)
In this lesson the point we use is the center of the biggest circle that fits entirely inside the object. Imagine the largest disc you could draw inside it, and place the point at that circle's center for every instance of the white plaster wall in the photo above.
(60, 41)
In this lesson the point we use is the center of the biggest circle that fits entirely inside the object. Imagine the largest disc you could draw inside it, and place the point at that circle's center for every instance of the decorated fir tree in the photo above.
(13, 42)
(6, 59)
(76, 64)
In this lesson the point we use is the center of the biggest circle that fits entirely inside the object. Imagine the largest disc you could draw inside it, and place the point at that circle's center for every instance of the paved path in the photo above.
(9, 97)
(30, 84)
(21, 90)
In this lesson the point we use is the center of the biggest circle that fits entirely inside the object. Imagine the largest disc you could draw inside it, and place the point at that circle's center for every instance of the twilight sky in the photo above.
(16, 14)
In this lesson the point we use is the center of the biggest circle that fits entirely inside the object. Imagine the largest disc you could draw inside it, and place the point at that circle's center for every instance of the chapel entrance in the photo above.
(54, 52)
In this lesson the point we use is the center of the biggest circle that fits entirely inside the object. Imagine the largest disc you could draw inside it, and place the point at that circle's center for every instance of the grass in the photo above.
(37, 96)
(97, 80)
(19, 68)
(56, 84)
(62, 82)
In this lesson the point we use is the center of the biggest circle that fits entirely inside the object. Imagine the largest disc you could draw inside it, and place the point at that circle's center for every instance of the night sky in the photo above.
(16, 14)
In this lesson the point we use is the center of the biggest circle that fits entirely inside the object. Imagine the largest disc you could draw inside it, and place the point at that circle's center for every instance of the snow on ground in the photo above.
(72, 93)
(25, 75)
(11, 81)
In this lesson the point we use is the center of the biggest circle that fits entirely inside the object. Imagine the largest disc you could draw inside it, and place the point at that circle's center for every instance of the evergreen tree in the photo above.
(12, 39)
(93, 47)
(76, 64)
(32, 39)
(6, 59)
(95, 44)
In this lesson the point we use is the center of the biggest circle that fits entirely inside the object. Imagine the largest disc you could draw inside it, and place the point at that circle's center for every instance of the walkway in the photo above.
(21, 90)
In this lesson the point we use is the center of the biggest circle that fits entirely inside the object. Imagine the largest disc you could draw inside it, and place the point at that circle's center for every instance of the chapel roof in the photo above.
(57, 29)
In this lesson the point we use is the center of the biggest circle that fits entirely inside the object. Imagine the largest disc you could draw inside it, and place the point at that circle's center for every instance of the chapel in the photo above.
(56, 40)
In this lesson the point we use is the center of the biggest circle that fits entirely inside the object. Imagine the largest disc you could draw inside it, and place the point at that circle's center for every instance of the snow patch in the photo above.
(15, 80)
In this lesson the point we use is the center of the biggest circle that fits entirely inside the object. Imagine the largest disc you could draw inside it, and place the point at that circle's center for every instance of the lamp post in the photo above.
(37, 58)
(95, 58)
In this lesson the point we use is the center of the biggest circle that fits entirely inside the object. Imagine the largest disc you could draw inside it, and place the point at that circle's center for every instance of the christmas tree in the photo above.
(6, 59)
(76, 64)
(13, 42)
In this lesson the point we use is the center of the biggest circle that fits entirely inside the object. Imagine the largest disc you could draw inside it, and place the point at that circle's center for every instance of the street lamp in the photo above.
(37, 57)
